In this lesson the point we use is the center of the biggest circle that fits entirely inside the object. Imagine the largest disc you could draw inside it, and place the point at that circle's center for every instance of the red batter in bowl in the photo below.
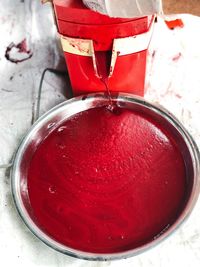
(106, 182)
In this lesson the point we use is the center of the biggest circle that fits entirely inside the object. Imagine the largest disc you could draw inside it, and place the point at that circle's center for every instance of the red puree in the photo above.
(106, 182)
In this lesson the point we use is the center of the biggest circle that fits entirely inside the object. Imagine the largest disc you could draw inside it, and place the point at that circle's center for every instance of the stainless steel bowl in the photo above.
(55, 117)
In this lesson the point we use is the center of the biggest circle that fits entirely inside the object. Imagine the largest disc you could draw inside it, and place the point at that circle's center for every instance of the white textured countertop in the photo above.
(173, 80)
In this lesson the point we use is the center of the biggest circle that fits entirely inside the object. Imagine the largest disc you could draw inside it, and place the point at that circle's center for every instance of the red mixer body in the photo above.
(97, 46)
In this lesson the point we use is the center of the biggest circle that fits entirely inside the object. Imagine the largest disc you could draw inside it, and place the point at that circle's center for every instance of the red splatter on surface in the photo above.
(178, 96)
(172, 24)
(21, 48)
(153, 54)
(177, 57)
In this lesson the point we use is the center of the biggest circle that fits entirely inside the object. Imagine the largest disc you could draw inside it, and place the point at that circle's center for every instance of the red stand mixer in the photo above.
(98, 47)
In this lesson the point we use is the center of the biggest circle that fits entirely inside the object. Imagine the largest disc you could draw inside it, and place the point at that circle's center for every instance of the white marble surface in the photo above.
(173, 80)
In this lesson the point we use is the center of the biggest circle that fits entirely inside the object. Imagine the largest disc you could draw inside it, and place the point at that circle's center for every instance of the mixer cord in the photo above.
(38, 102)
(55, 71)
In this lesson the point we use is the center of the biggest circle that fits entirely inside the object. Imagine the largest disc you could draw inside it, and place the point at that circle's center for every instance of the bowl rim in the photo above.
(191, 145)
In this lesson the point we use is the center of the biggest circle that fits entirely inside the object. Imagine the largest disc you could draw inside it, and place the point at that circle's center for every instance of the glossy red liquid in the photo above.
(106, 182)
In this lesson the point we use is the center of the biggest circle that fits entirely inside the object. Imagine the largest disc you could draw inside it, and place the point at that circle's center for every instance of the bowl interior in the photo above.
(50, 121)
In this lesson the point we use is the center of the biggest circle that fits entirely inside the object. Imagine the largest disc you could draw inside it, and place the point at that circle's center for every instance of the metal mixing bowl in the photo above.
(60, 113)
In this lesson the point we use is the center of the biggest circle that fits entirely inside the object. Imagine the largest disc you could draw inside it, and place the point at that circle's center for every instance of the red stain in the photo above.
(171, 24)
(177, 57)
(154, 53)
(72, 45)
(21, 48)
(106, 182)
(178, 96)
(78, 46)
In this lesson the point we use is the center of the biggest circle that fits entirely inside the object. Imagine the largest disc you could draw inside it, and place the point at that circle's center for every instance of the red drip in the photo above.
(103, 61)
(21, 48)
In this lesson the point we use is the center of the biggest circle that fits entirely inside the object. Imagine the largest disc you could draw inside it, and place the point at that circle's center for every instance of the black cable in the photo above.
(55, 71)
(37, 113)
